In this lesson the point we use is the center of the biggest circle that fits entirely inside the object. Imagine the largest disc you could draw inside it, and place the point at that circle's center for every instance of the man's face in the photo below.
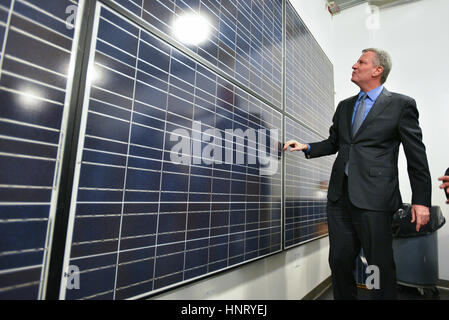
(364, 70)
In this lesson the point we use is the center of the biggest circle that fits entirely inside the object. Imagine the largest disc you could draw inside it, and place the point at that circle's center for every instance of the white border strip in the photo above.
(79, 155)
(62, 141)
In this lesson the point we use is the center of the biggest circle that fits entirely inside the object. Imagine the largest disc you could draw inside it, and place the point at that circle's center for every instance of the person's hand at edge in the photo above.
(445, 185)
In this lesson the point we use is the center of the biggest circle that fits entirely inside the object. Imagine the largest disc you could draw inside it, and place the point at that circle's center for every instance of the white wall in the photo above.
(290, 274)
(416, 36)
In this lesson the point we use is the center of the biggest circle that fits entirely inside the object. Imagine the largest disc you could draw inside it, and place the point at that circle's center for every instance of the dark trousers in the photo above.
(350, 229)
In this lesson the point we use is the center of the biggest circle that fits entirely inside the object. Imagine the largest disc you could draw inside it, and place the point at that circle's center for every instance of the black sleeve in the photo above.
(415, 152)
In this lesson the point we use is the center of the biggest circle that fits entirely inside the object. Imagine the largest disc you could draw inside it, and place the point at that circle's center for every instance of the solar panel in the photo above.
(309, 108)
(141, 221)
(309, 91)
(245, 40)
(33, 94)
(306, 184)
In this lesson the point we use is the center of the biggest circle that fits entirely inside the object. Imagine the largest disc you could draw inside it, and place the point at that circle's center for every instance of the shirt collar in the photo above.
(373, 94)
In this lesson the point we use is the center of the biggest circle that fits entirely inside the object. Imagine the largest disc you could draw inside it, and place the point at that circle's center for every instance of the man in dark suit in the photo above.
(363, 191)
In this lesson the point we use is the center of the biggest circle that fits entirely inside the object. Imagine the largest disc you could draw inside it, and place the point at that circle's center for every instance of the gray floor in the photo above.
(404, 293)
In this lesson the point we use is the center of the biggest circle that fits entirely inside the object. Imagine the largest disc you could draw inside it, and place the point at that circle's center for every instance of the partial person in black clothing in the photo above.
(363, 194)
(445, 184)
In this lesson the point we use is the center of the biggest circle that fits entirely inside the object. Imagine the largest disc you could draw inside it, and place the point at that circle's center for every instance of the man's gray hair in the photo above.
(383, 59)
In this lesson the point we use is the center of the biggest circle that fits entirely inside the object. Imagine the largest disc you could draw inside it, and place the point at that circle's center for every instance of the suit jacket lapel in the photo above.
(381, 103)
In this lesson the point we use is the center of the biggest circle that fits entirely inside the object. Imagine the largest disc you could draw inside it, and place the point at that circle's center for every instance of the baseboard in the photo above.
(443, 283)
(319, 289)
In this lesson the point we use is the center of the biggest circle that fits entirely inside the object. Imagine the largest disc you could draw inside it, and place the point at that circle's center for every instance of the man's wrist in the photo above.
(308, 148)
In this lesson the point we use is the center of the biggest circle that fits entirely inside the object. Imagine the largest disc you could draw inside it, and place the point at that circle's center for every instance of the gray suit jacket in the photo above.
(373, 153)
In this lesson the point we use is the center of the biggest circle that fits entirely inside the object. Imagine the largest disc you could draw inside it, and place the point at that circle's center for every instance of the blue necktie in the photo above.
(359, 116)
(358, 120)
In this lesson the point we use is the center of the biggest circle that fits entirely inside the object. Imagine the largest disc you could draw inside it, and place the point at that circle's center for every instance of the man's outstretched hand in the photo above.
(295, 146)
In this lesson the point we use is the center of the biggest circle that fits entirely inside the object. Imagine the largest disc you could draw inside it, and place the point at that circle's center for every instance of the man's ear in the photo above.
(378, 71)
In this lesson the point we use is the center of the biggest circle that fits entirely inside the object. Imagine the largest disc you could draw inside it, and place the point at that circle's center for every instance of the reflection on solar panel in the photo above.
(178, 171)
(245, 40)
(142, 222)
(33, 98)
(306, 184)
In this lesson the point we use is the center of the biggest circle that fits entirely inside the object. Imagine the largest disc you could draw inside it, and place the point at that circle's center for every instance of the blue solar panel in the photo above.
(306, 184)
(309, 88)
(33, 94)
(142, 221)
(309, 100)
(245, 40)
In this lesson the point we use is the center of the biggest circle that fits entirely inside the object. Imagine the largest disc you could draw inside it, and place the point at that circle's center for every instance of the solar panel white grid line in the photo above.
(43, 26)
(5, 36)
(56, 18)
(210, 204)
(26, 124)
(29, 95)
(188, 191)
(42, 143)
(20, 286)
(30, 35)
(161, 169)
(160, 233)
(18, 76)
(30, 64)
(126, 166)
